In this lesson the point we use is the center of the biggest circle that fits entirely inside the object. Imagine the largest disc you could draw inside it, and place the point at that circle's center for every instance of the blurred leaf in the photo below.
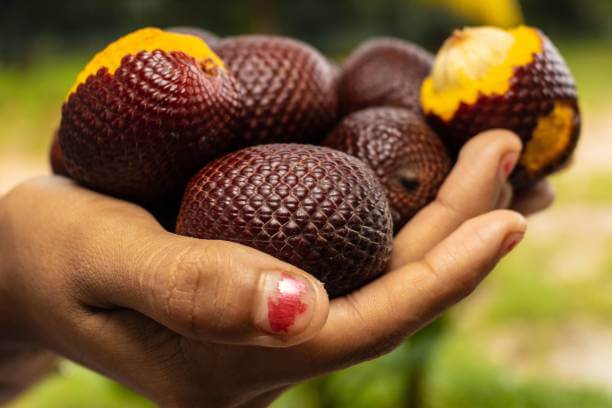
(501, 13)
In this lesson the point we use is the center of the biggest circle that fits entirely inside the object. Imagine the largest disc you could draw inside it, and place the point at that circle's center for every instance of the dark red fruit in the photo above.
(288, 88)
(407, 156)
(384, 72)
(141, 129)
(56, 159)
(317, 208)
(210, 38)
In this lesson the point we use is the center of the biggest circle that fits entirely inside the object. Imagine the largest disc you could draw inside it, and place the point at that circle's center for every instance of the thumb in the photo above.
(207, 290)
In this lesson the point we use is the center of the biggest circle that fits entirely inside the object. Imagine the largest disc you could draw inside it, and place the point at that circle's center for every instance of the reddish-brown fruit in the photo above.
(384, 72)
(56, 159)
(210, 38)
(317, 208)
(486, 78)
(288, 89)
(142, 129)
(406, 155)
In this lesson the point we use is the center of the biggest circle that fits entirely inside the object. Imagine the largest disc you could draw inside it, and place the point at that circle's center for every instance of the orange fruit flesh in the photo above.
(551, 138)
(147, 39)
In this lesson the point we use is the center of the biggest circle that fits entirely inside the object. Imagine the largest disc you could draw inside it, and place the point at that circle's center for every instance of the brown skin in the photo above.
(166, 315)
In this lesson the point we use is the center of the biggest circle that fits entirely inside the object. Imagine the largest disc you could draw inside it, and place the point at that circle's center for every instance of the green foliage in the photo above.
(76, 387)
(29, 27)
(31, 100)
(460, 378)
(595, 189)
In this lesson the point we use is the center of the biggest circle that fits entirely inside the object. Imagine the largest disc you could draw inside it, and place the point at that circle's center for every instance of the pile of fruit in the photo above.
(263, 141)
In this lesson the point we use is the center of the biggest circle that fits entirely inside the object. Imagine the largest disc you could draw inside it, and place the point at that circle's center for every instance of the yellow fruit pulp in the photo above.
(477, 62)
(146, 39)
(551, 137)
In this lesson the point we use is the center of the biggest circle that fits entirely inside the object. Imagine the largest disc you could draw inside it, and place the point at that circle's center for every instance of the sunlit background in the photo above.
(538, 333)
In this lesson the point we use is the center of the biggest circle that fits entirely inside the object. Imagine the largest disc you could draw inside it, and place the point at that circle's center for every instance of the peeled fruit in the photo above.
(485, 78)
(146, 113)
(288, 88)
(56, 158)
(317, 208)
(406, 155)
(208, 37)
(384, 72)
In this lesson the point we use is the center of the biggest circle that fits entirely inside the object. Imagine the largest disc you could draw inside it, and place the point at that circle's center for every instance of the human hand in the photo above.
(186, 322)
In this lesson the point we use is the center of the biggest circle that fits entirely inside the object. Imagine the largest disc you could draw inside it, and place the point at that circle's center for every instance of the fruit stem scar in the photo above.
(209, 67)
(285, 303)
(408, 179)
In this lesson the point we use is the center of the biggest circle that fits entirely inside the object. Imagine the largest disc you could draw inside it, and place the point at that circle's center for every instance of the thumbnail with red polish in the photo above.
(288, 304)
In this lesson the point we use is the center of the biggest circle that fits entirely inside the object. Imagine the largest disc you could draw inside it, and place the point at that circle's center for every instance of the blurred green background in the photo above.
(537, 333)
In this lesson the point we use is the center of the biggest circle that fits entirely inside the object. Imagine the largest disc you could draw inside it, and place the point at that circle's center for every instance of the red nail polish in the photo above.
(285, 303)
(511, 246)
(510, 243)
(508, 164)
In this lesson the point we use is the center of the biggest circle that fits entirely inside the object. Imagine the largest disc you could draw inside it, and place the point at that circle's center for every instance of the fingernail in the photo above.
(285, 305)
(508, 163)
(511, 242)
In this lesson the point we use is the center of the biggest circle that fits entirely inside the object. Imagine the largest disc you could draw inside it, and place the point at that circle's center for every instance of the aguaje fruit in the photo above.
(406, 155)
(210, 38)
(146, 113)
(56, 158)
(288, 88)
(317, 208)
(384, 72)
(485, 78)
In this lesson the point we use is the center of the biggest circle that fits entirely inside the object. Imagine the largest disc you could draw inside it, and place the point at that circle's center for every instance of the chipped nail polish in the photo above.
(508, 163)
(511, 242)
(286, 305)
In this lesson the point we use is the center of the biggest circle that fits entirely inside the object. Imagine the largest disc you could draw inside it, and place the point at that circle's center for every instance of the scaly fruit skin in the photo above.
(406, 155)
(540, 105)
(210, 38)
(143, 130)
(384, 72)
(288, 89)
(56, 158)
(317, 208)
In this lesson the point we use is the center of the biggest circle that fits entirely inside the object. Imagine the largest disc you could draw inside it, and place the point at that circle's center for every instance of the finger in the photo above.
(206, 290)
(536, 199)
(505, 197)
(472, 189)
(373, 320)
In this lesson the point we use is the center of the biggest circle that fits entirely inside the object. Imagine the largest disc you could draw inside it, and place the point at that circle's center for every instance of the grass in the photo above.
(460, 378)
(594, 189)
(528, 294)
(31, 99)
(591, 64)
(76, 387)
